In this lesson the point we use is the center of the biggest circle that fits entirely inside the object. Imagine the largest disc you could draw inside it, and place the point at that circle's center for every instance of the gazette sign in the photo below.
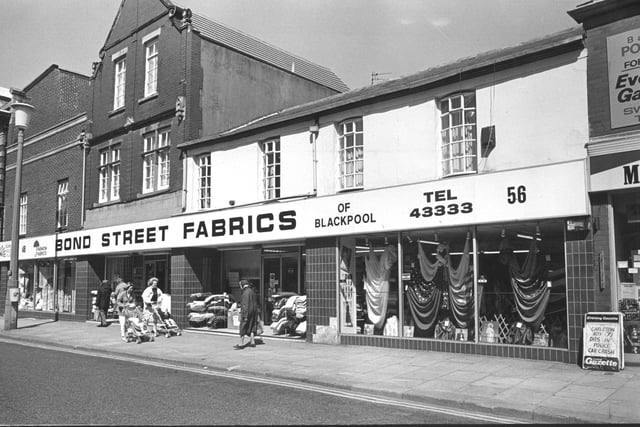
(623, 54)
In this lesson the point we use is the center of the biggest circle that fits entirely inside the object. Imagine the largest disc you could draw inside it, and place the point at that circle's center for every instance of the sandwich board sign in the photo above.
(602, 342)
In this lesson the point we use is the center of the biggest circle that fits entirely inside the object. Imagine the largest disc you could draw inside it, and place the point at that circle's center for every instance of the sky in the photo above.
(353, 38)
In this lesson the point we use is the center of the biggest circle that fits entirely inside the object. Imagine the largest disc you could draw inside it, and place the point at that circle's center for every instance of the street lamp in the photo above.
(21, 116)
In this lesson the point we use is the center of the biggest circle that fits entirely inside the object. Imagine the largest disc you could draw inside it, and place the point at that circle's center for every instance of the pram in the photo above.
(165, 323)
(136, 328)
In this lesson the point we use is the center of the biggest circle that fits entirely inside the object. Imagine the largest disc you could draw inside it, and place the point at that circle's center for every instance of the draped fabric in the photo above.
(376, 283)
(528, 283)
(428, 268)
(424, 301)
(461, 288)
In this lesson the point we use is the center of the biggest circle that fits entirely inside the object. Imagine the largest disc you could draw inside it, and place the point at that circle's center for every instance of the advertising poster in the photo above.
(602, 346)
(623, 55)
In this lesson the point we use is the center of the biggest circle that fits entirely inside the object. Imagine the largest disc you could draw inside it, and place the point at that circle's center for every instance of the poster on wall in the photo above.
(623, 55)
(602, 342)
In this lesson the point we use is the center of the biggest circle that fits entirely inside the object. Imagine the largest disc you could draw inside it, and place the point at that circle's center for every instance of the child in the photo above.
(149, 318)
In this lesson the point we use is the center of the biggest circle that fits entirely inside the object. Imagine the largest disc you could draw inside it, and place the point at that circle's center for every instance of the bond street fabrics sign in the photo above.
(602, 342)
(553, 191)
(623, 53)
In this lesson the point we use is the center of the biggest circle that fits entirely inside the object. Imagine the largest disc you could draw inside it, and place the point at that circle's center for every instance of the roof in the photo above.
(483, 63)
(262, 51)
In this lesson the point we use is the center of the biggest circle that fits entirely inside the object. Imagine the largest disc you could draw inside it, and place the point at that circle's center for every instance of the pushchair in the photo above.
(165, 323)
(136, 328)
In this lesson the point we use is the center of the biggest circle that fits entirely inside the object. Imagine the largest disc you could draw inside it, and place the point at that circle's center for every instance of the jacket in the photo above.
(103, 299)
(123, 300)
(147, 294)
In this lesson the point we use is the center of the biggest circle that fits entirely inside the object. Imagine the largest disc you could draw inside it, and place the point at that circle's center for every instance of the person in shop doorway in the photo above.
(123, 301)
(249, 315)
(103, 300)
(120, 286)
(151, 297)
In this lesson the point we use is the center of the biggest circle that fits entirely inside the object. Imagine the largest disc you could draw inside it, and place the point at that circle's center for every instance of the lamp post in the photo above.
(21, 116)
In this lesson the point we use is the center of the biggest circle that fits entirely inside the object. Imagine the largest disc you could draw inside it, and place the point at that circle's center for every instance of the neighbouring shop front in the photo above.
(495, 263)
(615, 194)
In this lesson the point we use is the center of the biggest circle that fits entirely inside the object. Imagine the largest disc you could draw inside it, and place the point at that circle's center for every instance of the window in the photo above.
(151, 67)
(63, 213)
(119, 83)
(458, 120)
(109, 174)
(271, 169)
(204, 182)
(23, 214)
(156, 161)
(351, 152)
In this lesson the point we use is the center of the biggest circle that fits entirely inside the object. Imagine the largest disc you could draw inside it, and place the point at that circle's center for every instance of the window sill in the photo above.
(347, 190)
(148, 98)
(107, 203)
(459, 174)
(116, 111)
(152, 193)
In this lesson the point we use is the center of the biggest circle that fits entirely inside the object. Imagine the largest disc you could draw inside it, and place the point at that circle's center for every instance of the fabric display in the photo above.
(289, 314)
(391, 327)
(423, 297)
(208, 309)
(376, 283)
(520, 333)
(528, 282)
(461, 287)
(445, 330)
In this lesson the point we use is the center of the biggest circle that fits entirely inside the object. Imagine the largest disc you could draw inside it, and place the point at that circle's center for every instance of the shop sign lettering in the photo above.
(623, 52)
(239, 225)
(438, 206)
(630, 174)
(345, 218)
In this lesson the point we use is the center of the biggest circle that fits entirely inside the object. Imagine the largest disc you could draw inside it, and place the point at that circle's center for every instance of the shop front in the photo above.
(615, 194)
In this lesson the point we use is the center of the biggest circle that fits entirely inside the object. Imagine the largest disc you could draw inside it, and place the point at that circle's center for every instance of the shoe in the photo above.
(124, 339)
(238, 347)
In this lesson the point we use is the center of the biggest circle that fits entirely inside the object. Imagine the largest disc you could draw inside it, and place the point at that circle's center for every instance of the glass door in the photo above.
(280, 277)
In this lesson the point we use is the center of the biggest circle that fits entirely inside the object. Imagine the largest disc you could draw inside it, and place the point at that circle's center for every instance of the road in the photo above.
(40, 385)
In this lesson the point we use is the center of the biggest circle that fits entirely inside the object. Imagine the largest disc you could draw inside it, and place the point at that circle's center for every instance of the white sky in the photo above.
(354, 38)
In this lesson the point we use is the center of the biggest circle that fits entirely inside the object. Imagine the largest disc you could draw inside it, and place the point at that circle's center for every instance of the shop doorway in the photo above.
(280, 276)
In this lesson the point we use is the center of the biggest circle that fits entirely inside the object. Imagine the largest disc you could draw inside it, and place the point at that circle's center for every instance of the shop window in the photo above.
(23, 213)
(204, 181)
(62, 213)
(67, 285)
(26, 286)
(44, 290)
(458, 134)
(156, 161)
(626, 208)
(351, 154)
(109, 173)
(271, 169)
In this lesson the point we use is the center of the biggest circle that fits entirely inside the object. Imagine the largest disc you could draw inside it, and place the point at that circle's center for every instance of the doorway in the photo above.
(280, 277)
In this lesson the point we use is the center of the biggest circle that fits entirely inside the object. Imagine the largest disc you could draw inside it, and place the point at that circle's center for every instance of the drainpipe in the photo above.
(314, 129)
(5, 117)
(84, 146)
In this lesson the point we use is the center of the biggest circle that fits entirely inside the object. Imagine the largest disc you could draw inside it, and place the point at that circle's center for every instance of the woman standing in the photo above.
(249, 314)
(124, 299)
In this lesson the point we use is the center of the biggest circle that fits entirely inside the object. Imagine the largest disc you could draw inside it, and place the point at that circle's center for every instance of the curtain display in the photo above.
(376, 283)
(528, 282)
(461, 288)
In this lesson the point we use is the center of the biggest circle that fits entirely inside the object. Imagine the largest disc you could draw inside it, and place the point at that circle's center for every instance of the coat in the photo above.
(124, 300)
(103, 299)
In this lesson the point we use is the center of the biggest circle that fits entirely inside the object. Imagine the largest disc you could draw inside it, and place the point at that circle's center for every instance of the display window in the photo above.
(39, 292)
(499, 284)
(626, 208)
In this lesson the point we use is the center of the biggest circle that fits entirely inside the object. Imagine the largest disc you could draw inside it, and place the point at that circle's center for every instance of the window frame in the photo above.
(62, 203)
(151, 66)
(458, 156)
(156, 161)
(119, 78)
(271, 169)
(109, 174)
(204, 181)
(23, 214)
(349, 157)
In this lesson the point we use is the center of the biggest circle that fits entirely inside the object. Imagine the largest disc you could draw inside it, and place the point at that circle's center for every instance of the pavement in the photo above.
(533, 391)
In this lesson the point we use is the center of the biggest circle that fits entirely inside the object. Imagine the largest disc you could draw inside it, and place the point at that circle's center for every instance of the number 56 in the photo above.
(516, 194)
